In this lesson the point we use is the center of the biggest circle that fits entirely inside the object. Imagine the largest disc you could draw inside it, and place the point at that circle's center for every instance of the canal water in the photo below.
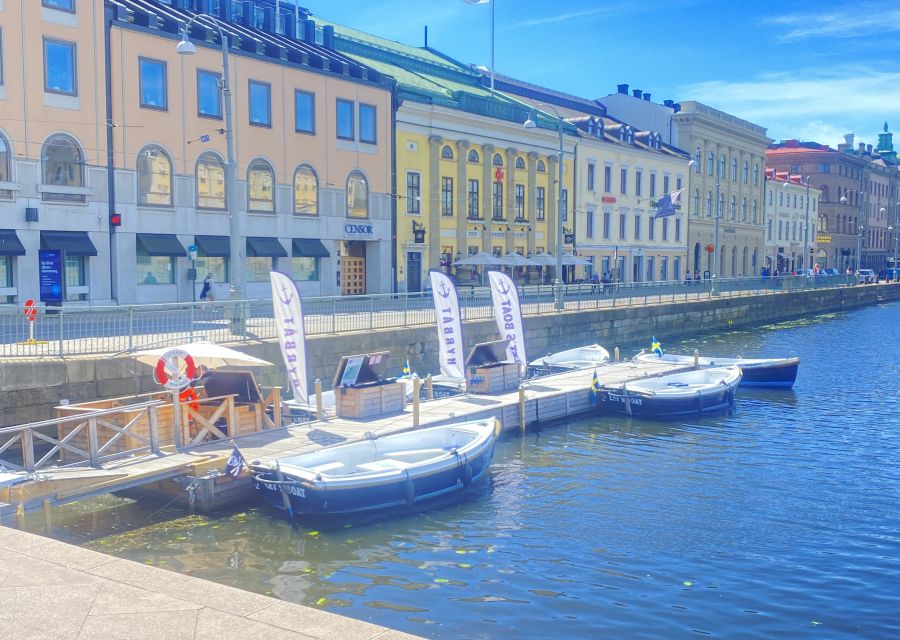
(778, 519)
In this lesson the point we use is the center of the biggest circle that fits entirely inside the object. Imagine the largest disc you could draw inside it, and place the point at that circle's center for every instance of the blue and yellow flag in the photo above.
(595, 388)
(656, 347)
(406, 369)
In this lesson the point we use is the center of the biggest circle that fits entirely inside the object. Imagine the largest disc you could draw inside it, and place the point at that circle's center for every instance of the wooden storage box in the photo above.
(496, 378)
(370, 401)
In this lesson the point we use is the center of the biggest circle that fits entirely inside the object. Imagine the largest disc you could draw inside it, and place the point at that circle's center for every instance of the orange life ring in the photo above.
(191, 397)
(161, 374)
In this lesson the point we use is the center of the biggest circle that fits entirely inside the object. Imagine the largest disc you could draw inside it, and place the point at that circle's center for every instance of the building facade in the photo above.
(470, 177)
(792, 214)
(116, 152)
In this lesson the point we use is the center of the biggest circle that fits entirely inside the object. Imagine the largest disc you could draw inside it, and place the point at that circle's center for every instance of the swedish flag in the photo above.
(656, 347)
(595, 388)
(406, 369)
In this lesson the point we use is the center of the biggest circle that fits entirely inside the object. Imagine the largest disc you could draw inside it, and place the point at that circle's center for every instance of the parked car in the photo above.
(830, 271)
(865, 276)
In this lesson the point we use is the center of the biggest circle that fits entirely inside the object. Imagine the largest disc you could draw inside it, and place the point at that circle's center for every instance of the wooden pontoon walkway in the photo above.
(549, 398)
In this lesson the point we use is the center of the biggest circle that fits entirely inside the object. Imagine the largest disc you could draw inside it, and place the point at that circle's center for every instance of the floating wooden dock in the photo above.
(195, 469)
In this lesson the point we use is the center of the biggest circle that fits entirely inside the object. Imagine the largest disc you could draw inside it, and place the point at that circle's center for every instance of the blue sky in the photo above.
(804, 69)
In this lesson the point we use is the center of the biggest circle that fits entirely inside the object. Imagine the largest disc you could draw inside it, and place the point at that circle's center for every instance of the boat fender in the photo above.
(467, 473)
(699, 403)
(410, 489)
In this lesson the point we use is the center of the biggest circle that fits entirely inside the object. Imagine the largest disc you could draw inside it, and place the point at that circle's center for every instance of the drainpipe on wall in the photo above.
(110, 156)
(395, 105)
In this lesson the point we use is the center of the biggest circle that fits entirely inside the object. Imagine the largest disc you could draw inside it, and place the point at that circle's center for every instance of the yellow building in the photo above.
(469, 176)
(101, 121)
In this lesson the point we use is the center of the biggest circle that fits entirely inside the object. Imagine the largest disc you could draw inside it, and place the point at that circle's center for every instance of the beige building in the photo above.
(102, 122)
(792, 213)
(728, 178)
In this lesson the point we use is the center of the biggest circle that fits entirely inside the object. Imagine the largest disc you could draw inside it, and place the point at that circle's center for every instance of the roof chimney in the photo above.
(677, 107)
(623, 88)
(862, 147)
(848, 139)
(869, 149)
(668, 103)
(636, 93)
(646, 96)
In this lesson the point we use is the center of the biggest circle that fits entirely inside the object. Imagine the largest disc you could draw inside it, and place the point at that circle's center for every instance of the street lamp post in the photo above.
(235, 272)
(859, 237)
(807, 253)
(896, 236)
(530, 124)
(715, 267)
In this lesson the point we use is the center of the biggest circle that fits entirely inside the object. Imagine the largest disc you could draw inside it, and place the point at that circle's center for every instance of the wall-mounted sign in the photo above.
(359, 230)
(569, 238)
(50, 275)
(608, 199)
(823, 238)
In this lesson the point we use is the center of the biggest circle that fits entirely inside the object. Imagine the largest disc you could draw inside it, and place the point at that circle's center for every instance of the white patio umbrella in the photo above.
(568, 260)
(515, 260)
(209, 354)
(544, 259)
(481, 259)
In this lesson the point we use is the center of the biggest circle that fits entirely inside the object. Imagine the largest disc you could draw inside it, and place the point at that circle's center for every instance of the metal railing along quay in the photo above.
(82, 330)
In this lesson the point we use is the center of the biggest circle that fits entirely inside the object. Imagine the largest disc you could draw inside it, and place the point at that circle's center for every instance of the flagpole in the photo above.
(493, 3)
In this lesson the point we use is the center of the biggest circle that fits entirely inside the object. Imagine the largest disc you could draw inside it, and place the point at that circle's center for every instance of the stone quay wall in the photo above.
(29, 390)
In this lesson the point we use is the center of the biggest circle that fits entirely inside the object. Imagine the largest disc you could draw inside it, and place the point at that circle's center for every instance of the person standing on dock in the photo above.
(207, 293)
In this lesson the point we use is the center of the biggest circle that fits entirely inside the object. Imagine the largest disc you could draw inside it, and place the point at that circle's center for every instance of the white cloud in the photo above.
(812, 105)
(863, 19)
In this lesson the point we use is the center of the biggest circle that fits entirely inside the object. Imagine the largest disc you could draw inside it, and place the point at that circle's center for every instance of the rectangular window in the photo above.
(413, 192)
(650, 274)
(304, 111)
(367, 126)
(520, 202)
(663, 268)
(474, 200)
(676, 268)
(638, 179)
(6, 275)
(607, 179)
(623, 181)
(218, 266)
(589, 224)
(59, 67)
(62, 5)
(607, 223)
(677, 230)
(209, 98)
(305, 269)
(666, 185)
(153, 83)
(541, 203)
(665, 229)
(154, 269)
(564, 205)
(651, 228)
(76, 277)
(1, 57)
(345, 120)
(652, 185)
(258, 268)
(498, 201)
(637, 227)
(590, 176)
(622, 230)
(260, 96)
(677, 185)
(446, 196)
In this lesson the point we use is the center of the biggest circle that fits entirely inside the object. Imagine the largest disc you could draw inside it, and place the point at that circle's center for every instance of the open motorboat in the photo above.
(758, 372)
(380, 473)
(678, 394)
(579, 358)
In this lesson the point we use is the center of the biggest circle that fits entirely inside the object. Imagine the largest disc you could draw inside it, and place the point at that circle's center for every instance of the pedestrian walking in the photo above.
(207, 293)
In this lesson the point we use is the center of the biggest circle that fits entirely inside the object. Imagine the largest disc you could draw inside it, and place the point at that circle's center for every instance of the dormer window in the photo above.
(498, 160)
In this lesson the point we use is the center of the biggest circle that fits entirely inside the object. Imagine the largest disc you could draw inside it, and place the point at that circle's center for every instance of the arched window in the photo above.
(541, 167)
(734, 169)
(744, 210)
(306, 191)
(733, 207)
(260, 186)
(733, 261)
(698, 157)
(756, 175)
(210, 182)
(520, 163)
(599, 130)
(722, 162)
(473, 155)
(63, 166)
(498, 160)
(357, 195)
(629, 135)
(744, 263)
(753, 261)
(720, 210)
(824, 196)
(746, 172)
(696, 207)
(709, 203)
(755, 210)
(5, 166)
(710, 163)
(446, 152)
(154, 175)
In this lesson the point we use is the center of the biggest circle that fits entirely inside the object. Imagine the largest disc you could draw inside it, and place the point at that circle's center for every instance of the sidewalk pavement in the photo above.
(50, 590)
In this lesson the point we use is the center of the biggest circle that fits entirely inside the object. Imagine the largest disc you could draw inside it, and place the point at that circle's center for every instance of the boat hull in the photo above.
(757, 372)
(316, 498)
(642, 405)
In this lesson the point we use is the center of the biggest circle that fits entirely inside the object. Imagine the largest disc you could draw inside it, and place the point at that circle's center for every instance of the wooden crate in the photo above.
(370, 401)
(493, 378)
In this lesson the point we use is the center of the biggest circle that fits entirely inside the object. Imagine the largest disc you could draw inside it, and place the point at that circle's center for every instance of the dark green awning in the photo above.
(161, 244)
(265, 248)
(74, 243)
(10, 245)
(313, 248)
(213, 246)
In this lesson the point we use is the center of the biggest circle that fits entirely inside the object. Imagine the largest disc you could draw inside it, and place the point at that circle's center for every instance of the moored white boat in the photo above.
(579, 358)
(679, 394)
(757, 372)
(380, 473)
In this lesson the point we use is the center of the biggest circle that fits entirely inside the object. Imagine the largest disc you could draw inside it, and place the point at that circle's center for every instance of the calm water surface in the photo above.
(780, 519)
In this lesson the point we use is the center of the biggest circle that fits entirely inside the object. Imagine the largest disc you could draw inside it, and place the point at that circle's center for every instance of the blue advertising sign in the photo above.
(50, 275)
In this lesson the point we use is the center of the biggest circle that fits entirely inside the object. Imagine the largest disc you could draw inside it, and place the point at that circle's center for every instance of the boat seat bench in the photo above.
(423, 454)
(328, 466)
(385, 464)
